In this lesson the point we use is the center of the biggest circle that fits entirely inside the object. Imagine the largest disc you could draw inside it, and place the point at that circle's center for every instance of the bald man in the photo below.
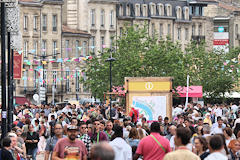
(102, 151)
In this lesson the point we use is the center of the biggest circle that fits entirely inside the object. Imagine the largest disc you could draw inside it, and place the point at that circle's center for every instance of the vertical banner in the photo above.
(17, 65)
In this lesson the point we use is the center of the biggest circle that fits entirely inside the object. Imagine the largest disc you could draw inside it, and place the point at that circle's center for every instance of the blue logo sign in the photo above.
(220, 29)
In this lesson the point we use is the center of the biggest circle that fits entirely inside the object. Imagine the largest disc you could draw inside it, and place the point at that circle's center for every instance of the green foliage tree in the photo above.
(139, 55)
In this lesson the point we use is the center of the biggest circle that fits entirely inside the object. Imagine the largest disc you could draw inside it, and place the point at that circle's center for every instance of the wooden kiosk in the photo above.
(151, 96)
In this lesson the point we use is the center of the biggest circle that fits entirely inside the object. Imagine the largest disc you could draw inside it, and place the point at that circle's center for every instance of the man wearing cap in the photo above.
(70, 147)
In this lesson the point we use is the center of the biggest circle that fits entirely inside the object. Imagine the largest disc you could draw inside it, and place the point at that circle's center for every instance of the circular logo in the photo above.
(149, 85)
(220, 29)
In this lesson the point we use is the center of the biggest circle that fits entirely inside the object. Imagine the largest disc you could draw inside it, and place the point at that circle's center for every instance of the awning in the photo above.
(193, 91)
(22, 100)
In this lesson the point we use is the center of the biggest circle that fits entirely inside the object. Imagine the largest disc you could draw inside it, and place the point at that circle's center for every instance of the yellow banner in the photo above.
(149, 86)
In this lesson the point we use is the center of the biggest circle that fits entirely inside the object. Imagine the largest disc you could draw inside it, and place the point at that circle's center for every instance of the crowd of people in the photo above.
(94, 132)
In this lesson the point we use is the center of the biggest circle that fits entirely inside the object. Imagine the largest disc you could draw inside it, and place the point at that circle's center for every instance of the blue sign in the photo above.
(220, 29)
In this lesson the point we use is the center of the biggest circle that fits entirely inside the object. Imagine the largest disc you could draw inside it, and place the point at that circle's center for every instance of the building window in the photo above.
(25, 49)
(54, 74)
(186, 34)
(128, 11)
(121, 31)
(145, 11)
(102, 17)
(93, 45)
(179, 33)
(169, 9)
(84, 48)
(35, 21)
(137, 10)
(179, 12)
(44, 48)
(25, 23)
(169, 29)
(153, 29)
(200, 30)
(92, 17)
(77, 48)
(193, 30)
(68, 81)
(44, 22)
(54, 23)
(111, 42)
(102, 43)
(66, 48)
(54, 49)
(160, 9)
(111, 18)
(197, 11)
(186, 13)
(120, 10)
(236, 30)
(153, 9)
(35, 46)
(161, 30)
(77, 83)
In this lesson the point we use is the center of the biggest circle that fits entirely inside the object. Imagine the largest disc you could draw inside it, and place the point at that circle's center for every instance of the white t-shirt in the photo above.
(217, 130)
(234, 108)
(216, 156)
(172, 144)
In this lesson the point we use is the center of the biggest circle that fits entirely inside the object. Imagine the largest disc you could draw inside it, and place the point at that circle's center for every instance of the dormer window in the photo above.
(120, 10)
(144, 10)
(160, 9)
(153, 9)
(128, 13)
(169, 9)
(179, 12)
(186, 13)
(137, 10)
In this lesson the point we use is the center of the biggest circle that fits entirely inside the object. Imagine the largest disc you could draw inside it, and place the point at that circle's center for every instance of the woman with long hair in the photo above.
(133, 138)
(227, 132)
(201, 147)
(234, 148)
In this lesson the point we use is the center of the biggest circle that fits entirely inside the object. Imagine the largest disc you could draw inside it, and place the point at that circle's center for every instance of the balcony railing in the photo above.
(198, 38)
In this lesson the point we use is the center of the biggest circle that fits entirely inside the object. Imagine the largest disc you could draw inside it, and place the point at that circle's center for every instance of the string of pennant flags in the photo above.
(56, 49)
(59, 60)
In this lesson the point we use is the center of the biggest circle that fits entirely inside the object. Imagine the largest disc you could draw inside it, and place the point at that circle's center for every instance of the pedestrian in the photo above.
(122, 150)
(51, 142)
(153, 146)
(70, 147)
(6, 149)
(85, 137)
(234, 148)
(102, 151)
(97, 135)
(215, 146)
(201, 147)
(32, 142)
(182, 138)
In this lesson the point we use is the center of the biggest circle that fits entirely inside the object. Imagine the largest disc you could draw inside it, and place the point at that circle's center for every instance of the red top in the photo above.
(150, 149)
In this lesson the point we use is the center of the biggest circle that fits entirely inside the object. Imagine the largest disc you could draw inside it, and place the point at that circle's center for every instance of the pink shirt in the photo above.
(150, 149)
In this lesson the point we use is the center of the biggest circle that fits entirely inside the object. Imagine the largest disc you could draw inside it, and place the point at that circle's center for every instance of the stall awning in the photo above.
(194, 91)
(22, 100)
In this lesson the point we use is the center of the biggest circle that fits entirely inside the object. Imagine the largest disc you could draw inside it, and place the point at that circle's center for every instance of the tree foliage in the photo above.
(139, 55)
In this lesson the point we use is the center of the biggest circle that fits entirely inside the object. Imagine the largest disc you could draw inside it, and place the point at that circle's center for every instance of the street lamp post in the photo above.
(110, 60)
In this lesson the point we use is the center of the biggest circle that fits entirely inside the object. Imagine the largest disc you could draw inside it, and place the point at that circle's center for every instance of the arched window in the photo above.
(186, 13)
(144, 10)
(160, 9)
(137, 10)
(128, 12)
(179, 12)
(120, 10)
(169, 9)
(152, 9)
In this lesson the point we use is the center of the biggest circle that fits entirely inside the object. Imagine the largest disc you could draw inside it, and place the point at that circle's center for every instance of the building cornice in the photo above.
(104, 1)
